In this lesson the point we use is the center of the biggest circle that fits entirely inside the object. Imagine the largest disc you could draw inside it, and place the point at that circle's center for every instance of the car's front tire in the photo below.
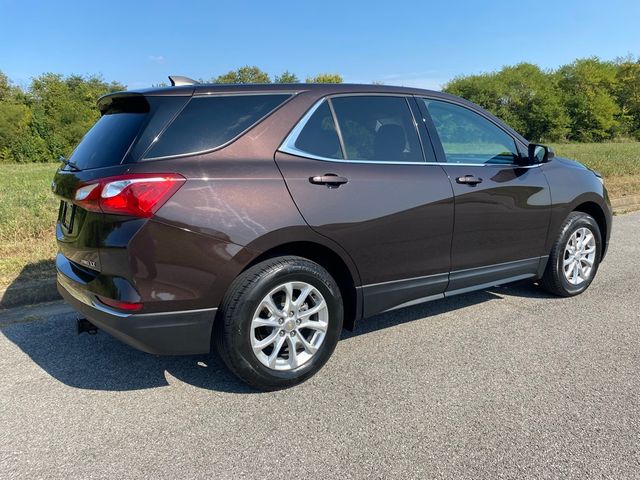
(279, 322)
(575, 256)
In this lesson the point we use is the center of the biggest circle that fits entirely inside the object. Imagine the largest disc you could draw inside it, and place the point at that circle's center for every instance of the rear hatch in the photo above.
(107, 195)
(128, 124)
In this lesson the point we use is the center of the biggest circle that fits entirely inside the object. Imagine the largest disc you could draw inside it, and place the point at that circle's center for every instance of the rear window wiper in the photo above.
(72, 166)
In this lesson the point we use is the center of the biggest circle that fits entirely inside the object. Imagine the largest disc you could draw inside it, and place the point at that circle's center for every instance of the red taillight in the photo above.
(127, 306)
(138, 195)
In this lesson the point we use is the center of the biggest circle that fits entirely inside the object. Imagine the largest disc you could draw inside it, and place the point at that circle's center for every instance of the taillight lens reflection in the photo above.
(138, 195)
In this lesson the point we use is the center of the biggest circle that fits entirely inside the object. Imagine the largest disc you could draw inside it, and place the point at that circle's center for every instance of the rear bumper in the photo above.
(168, 333)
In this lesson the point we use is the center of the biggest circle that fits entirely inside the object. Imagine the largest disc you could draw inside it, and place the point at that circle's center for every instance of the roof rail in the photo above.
(178, 80)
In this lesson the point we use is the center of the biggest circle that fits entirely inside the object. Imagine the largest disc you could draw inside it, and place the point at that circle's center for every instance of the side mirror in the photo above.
(540, 153)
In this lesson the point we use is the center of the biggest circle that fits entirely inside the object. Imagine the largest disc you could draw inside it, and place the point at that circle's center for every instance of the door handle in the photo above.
(469, 180)
(331, 180)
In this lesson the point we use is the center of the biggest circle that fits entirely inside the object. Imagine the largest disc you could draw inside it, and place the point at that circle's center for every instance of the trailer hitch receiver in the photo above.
(83, 325)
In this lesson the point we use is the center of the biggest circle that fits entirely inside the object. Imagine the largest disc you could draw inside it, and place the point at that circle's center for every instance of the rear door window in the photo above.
(209, 122)
(377, 128)
(318, 137)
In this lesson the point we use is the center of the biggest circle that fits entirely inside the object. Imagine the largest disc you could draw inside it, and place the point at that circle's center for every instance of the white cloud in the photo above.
(156, 58)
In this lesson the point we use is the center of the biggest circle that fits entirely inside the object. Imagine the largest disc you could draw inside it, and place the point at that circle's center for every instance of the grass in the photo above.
(28, 210)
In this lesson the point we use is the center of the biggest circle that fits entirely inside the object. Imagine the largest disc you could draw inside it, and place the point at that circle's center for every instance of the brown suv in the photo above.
(265, 218)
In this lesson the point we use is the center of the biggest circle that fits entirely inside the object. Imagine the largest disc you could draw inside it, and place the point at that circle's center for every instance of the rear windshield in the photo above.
(109, 139)
(210, 122)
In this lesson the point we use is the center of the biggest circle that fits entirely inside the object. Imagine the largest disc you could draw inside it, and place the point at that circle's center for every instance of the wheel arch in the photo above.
(596, 211)
(324, 256)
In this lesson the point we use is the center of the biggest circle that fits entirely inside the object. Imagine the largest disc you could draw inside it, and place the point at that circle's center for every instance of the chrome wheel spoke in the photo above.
(288, 301)
(314, 325)
(269, 305)
(271, 362)
(274, 314)
(584, 271)
(568, 269)
(311, 311)
(293, 354)
(304, 293)
(307, 346)
(266, 322)
(265, 342)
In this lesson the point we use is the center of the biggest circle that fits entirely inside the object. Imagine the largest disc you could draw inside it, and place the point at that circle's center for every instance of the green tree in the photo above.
(483, 89)
(246, 74)
(531, 102)
(64, 108)
(29, 147)
(14, 124)
(286, 77)
(588, 87)
(628, 95)
(5, 86)
(325, 78)
(524, 96)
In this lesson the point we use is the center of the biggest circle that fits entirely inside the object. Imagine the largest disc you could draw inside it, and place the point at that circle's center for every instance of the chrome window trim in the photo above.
(502, 165)
(288, 145)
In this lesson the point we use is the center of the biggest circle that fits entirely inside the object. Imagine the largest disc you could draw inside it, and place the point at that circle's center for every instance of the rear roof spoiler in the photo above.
(123, 102)
(178, 81)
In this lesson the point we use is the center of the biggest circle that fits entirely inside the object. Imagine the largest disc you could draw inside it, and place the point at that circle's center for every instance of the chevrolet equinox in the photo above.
(262, 219)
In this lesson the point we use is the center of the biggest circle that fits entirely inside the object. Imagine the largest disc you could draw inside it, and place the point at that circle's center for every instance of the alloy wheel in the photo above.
(579, 256)
(289, 326)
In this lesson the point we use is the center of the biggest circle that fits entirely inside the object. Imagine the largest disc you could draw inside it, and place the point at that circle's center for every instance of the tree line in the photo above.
(47, 119)
(588, 100)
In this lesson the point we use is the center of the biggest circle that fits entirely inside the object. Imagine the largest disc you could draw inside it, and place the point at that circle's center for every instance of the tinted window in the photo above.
(468, 137)
(319, 137)
(109, 139)
(208, 122)
(377, 128)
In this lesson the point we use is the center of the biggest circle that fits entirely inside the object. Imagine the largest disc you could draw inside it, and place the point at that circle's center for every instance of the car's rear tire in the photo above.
(575, 256)
(264, 317)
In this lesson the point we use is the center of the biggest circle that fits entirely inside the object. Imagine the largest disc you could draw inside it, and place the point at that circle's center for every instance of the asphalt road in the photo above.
(505, 383)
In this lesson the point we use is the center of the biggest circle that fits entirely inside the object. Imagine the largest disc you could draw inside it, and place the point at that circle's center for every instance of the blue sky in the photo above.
(417, 43)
